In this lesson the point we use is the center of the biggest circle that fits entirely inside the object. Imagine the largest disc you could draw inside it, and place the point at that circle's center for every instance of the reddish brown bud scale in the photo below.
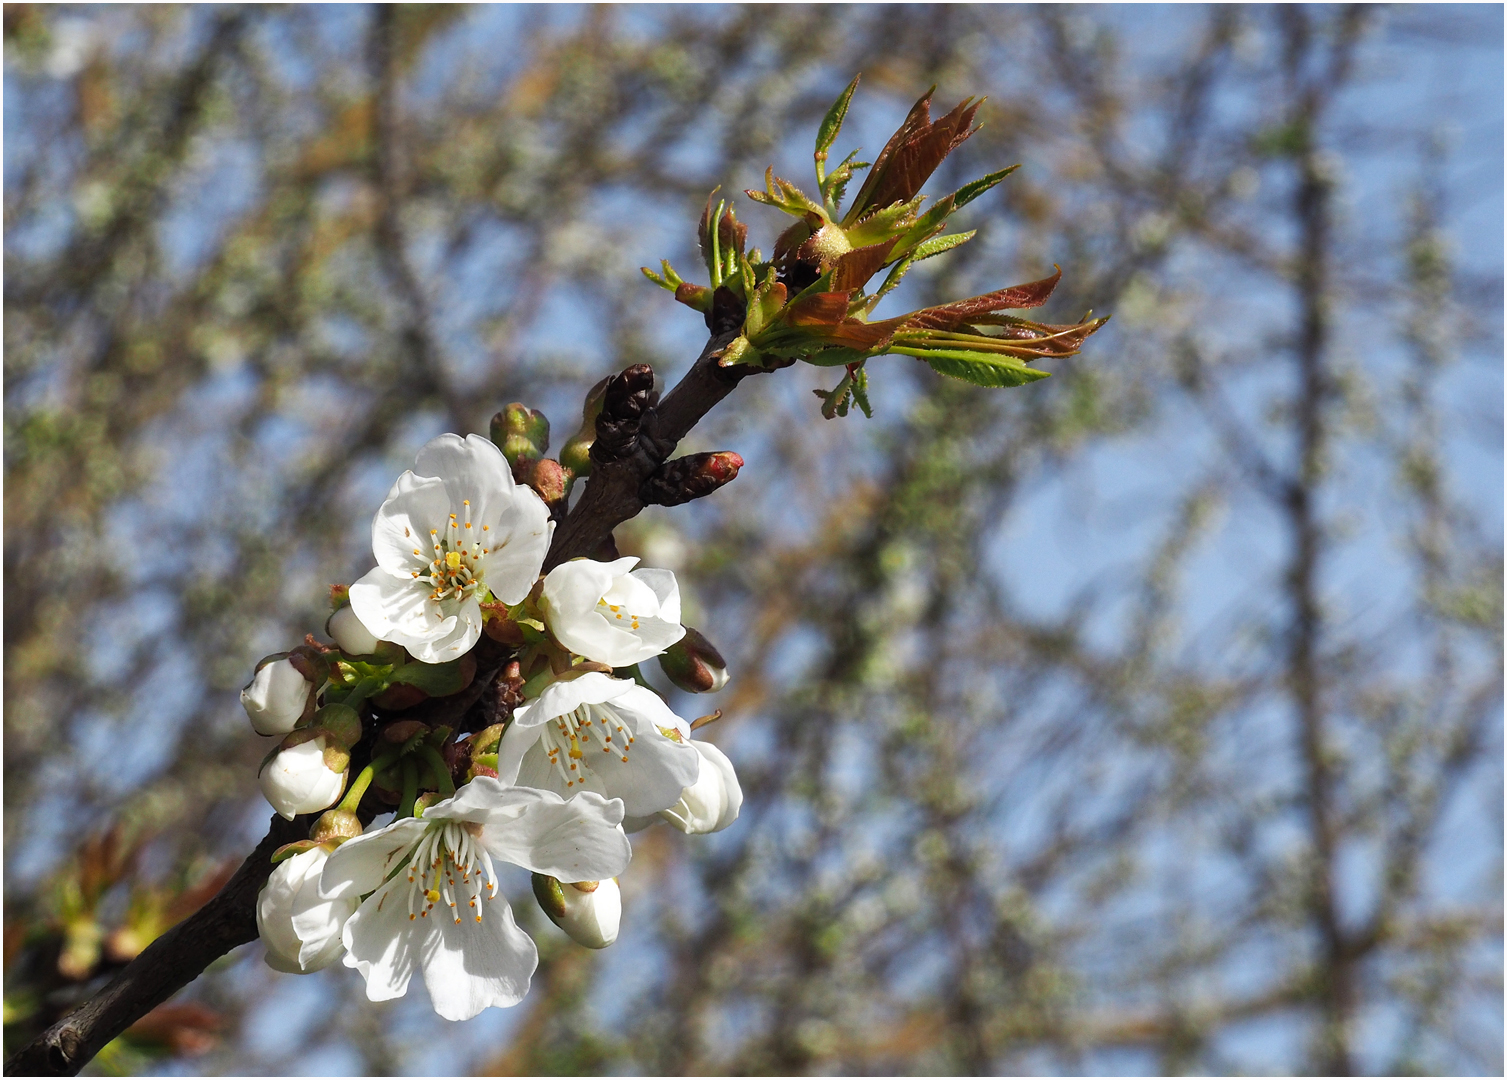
(690, 477)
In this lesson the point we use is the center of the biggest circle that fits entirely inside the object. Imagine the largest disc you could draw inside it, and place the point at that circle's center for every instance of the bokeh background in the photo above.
(1145, 719)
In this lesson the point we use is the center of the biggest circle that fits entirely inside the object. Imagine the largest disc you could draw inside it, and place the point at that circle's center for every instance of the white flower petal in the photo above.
(383, 943)
(517, 543)
(275, 698)
(470, 468)
(471, 965)
(401, 540)
(360, 864)
(399, 610)
(712, 803)
(634, 625)
(297, 781)
(666, 590)
(458, 640)
(573, 840)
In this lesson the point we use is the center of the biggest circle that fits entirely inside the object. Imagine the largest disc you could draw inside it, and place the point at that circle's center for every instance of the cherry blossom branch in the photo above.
(646, 431)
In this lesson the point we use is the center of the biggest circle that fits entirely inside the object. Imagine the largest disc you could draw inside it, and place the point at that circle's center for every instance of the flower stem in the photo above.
(363, 781)
(410, 787)
(441, 771)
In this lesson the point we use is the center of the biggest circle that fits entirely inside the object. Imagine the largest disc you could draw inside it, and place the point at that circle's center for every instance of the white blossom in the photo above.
(276, 697)
(299, 780)
(300, 928)
(597, 733)
(451, 531)
(431, 893)
(350, 634)
(589, 911)
(610, 612)
(712, 803)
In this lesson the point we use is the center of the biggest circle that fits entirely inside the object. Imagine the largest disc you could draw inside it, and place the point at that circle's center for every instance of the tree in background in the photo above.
(1146, 721)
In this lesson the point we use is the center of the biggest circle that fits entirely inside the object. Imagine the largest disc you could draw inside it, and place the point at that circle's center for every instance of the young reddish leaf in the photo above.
(818, 309)
(961, 312)
(853, 270)
(913, 154)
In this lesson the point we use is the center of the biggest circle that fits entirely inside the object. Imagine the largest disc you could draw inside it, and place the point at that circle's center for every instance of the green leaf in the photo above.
(436, 680)
(968, 192)
(892, 279)
(883, 224)
(938, 244)
(831, 124)
(978, 368)
(861, 392)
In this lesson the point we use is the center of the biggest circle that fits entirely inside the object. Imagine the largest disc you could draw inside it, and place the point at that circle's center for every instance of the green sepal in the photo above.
(297, 847)
(551, 899)
(924, 228)
(835, 401)
(836, 184)
(436, 680)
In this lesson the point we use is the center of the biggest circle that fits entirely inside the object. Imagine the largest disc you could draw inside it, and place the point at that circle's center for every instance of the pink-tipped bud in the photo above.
(690, 477)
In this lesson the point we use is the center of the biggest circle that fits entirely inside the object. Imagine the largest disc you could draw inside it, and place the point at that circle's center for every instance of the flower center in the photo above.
(569, 740)
(444, 852)
(617, 613)
(456, 568)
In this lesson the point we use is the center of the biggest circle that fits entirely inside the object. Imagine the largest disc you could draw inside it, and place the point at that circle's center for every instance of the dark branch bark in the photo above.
(612, 493)
(164, 967)
(176, 958)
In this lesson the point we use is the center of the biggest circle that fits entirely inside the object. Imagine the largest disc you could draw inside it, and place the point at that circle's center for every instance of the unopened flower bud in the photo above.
(713, 801)
(547, 478)
(340, 723)
(399, 696)
(277, 695)
(694, 664)
(575, 455)
(300, 928)
(589, 911)
(401, 731)
(300, 779)
(335, 825)
(350, 633)
(522, 434)
(690, 477)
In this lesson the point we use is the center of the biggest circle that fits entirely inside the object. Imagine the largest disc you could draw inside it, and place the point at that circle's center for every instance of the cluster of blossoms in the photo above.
(563, 748)
(578, 750)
